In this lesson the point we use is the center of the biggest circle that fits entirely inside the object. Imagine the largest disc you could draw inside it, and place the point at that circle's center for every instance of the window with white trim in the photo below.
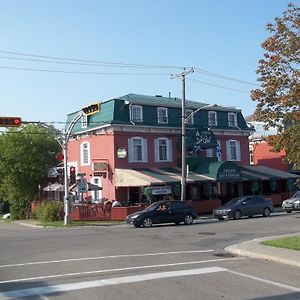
(84, 121)
(233, 150)
(137, 147)
(136, 113)
(232, 120)
(85, 153)
(162, 115)
(163, 150)
(215, 152)
(212, 118)
(190, 120)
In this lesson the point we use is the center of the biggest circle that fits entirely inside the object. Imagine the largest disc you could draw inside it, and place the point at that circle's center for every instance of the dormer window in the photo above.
(84, 121)
(232, 120)
(162, 115)
(212, 118)
(136, 113)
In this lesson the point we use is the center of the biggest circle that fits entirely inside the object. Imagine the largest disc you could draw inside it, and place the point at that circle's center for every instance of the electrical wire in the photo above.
(216, 85)
(84, 73)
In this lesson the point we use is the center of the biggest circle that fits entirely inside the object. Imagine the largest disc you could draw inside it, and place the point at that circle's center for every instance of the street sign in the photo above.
(82, 185)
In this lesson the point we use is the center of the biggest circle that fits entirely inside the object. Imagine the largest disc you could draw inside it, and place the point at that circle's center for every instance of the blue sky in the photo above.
(222, 37)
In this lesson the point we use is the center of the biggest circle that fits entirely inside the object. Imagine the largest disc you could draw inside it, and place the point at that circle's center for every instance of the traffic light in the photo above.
(91, 109)
(10, 121)
(72, 175)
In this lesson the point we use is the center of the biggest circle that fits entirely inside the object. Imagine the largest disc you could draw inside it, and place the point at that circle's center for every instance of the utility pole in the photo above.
(182, 76)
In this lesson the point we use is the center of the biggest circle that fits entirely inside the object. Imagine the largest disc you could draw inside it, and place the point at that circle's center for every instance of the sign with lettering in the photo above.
(161, 190)
(100, 166)
(202, 139)
(229, 174)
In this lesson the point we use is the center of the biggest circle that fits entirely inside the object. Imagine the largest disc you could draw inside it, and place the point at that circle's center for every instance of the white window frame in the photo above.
(162, 118)
(210, 152)
(169, 150)
(230, 123)
(230, 145)
(85, 154)
(84, 121)
(136, 113)
(144, 150)
(212, 118)
(190, 121)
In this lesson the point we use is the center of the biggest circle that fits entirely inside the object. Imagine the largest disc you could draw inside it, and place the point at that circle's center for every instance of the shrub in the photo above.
(49, 212)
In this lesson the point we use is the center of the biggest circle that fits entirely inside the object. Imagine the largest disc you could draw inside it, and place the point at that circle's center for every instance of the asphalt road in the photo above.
(162, 262)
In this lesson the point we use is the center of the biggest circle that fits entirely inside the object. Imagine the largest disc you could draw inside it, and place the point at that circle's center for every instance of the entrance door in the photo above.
(97, 194)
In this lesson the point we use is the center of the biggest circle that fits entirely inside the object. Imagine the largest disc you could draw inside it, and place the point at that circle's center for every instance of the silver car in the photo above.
(292, 204)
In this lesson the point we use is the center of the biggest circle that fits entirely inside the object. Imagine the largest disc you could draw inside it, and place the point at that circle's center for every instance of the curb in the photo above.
(254, 249)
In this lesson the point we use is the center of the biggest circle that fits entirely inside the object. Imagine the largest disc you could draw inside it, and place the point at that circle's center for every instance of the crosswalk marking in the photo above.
(116, 270)
(31, 292)
(105, 257)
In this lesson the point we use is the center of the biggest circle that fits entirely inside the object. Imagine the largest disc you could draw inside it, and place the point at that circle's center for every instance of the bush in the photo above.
(49, 212)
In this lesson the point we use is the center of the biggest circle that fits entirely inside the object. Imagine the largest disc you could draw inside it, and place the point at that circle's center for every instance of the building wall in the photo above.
(103, 148)
(263, 155)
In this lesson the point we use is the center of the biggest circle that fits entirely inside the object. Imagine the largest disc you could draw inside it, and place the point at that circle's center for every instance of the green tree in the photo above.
(279, 73)
(26, 154)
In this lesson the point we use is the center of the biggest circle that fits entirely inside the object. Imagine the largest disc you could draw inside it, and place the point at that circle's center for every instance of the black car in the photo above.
(170, 211)
(244, 206)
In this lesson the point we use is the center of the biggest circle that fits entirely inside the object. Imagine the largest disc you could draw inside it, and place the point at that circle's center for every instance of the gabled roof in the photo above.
(158, 100)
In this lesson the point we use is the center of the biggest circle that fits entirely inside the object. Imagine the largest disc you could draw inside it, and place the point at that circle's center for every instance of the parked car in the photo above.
(292, 203)
(170, 211)
(244, 206)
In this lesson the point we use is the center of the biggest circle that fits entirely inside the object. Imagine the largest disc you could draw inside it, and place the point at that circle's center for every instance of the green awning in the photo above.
(221, 170)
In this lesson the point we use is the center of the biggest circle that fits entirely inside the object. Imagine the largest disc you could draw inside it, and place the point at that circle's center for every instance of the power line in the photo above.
(84, 72)
(219, 86)
(96, 63)
(223, 77)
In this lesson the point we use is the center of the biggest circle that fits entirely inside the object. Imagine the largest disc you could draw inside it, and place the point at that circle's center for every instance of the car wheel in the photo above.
(221, 219)
(266, 212)
(188, 219)
(237, 215)
(147, 222)
(288, 211)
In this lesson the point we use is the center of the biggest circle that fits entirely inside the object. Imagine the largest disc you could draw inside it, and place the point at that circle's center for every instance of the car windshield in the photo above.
(296, 195)
(233, 201)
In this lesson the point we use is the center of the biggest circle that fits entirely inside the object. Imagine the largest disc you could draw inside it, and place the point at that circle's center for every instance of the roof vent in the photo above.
(158, 96)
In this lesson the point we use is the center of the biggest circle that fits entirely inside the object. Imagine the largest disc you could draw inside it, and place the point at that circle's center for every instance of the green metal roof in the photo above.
(172, 102)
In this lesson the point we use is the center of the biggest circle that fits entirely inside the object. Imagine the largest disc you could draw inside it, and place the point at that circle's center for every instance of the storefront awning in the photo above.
(266, 173)
(153, 176)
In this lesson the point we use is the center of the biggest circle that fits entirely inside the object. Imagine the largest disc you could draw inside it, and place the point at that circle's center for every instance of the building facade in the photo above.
(131, 149)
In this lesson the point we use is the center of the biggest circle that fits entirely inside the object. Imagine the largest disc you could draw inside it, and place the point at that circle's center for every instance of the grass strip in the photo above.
(292, 243)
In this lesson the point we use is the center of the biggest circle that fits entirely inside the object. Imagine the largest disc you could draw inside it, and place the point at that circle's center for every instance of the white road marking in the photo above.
(104, 257)
(61, 288)
(118, 269)
(291, 288)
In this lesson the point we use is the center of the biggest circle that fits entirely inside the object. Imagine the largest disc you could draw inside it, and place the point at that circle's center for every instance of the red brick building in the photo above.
(131, 148)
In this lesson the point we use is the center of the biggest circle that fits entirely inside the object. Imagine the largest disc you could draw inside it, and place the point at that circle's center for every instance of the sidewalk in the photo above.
(255, 250)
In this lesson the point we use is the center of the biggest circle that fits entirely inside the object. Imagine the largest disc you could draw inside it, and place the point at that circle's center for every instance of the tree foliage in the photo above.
(26, 154)
(279, 73)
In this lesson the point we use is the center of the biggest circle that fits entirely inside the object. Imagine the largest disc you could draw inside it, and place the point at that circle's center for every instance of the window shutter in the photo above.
(228, 153)
(144, 150)
(170, 150)
(238, 151)
(130, 150)
(156, 150)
